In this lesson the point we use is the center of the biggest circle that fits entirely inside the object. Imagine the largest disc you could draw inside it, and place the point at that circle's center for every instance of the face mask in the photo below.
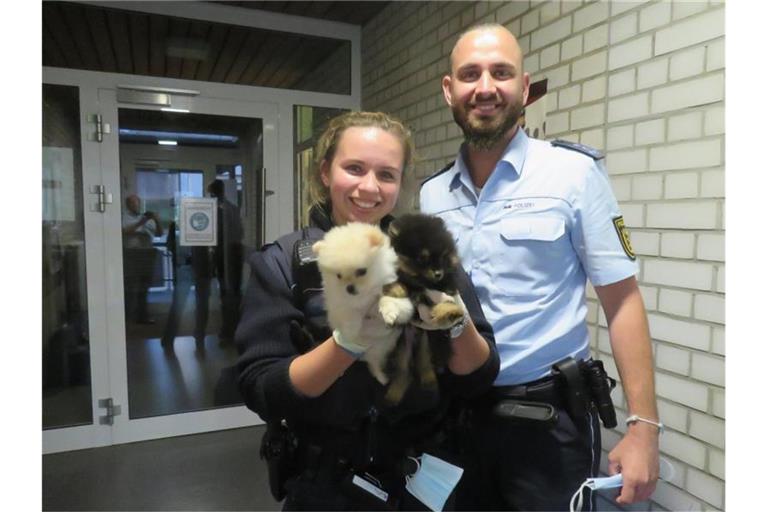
(666, 472)
(607, 482)
(433, 481)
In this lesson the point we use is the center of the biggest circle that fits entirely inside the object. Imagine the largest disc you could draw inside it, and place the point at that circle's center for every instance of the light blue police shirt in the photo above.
(545, 221)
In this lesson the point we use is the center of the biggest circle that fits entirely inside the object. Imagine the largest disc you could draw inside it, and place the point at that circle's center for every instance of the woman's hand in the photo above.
(373, 329)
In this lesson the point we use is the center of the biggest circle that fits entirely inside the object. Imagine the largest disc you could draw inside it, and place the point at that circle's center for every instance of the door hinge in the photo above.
(103, 198)
(112, 411)
(101, 127)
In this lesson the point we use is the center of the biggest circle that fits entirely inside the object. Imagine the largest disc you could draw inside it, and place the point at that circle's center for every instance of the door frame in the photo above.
(104, 257)
(93, 434)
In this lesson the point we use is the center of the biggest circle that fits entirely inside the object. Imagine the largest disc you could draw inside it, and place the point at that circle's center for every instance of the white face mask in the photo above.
(433, 481)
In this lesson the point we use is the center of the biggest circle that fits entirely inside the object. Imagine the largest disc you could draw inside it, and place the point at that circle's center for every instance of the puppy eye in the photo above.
(338, 275)
(360, 272)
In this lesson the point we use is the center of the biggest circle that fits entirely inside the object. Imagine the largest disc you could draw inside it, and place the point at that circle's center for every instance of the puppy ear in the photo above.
(317, 247)
(375, 238)
(394, 229)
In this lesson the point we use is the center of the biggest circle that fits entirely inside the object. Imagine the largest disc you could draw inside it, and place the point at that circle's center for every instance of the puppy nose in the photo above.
(438, 274)
(351, 289)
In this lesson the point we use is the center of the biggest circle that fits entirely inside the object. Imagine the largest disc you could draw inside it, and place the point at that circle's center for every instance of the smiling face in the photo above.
(487, 88)
(364, 175)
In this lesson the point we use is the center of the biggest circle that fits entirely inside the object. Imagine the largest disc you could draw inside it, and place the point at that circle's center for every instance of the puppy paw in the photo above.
(378, 374)
(395, 392)
(395, 310)
(447, 314)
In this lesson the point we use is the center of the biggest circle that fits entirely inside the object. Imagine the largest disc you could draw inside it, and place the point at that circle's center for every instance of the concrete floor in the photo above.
(213, 471)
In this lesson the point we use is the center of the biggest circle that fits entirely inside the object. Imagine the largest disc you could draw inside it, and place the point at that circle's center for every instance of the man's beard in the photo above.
(486, 137)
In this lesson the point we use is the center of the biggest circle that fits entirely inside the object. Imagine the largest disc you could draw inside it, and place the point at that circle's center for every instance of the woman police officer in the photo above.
(293, 371)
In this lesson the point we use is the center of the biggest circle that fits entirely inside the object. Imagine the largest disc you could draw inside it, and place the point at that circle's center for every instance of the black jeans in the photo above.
(514, 467)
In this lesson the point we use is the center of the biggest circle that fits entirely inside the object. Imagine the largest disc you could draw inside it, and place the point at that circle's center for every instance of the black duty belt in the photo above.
(542, 390)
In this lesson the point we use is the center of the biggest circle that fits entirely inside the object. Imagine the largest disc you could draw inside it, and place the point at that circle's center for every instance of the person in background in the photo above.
(139, 258)
(225, 262)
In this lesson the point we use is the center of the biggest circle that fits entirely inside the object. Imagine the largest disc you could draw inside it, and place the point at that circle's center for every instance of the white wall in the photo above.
(643, 81)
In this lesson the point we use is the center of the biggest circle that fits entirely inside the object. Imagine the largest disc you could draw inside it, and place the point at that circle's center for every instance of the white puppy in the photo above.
(355, 262)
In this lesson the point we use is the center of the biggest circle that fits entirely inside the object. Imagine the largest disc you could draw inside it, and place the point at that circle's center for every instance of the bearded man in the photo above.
(533, 221)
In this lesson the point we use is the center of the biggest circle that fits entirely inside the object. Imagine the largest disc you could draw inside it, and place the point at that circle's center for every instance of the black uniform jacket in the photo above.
(264, 336)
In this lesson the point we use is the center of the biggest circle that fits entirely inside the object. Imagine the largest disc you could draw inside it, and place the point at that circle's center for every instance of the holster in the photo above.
(278, 449)
(584, 383)
(568, 374)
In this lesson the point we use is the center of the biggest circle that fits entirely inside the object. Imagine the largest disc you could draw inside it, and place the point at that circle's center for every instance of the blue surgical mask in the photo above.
(666, 472)
(607, 482)
(433, 481)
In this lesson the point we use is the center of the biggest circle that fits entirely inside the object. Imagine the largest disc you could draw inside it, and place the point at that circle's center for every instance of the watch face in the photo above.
(457, 329)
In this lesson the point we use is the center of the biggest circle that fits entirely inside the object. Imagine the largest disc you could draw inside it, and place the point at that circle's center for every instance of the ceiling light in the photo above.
(167, 142)
(187, 48)
(169, 109)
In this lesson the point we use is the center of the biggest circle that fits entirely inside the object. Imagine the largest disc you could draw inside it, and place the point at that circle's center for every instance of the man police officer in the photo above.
(533, 221)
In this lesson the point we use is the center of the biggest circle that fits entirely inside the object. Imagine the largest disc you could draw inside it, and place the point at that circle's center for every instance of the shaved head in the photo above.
(486, 88)
(482, 34)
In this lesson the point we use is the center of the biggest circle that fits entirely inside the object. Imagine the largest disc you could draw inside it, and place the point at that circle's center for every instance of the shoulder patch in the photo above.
(621, 230)
(581, 148)
(438, 173)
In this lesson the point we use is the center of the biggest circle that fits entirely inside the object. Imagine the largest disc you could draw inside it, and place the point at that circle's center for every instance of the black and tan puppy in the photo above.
(427, 262)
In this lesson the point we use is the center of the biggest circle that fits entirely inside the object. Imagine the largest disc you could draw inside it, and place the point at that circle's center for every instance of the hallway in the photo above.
(214, 471)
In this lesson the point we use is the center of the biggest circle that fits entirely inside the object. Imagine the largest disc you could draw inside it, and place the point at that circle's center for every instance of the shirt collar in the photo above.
(513, 157)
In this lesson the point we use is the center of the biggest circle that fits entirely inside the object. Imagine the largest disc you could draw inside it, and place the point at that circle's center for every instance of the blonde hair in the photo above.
(329, 141)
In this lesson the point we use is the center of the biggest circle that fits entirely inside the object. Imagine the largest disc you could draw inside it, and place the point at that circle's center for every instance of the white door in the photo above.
(174, 304)
(75, 375)
(138, 325)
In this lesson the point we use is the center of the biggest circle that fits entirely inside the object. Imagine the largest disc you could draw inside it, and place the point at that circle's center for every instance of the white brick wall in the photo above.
(643, 81)
(680, 332)
(675, 302)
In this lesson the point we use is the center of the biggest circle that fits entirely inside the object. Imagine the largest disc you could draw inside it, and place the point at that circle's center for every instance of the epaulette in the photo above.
(593, 153)
(438, 173)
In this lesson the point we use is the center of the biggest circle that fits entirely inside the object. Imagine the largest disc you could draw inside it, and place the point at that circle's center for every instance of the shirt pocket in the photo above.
(540, 229)
(533, 253)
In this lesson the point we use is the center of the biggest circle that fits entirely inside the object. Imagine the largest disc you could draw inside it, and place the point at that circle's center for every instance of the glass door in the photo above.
(191, 203)
(73, 363)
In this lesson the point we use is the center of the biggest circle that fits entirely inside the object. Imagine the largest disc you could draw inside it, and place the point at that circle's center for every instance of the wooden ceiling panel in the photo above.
(356, 13)
(139, 29)
(216, 37)
(178, 32)
(302, 53)
(287, 58)
(117, 21)
(268, 49)
(197, 32)
(97, 22)
(64, 39)
(158, 28)
(103, 38)
(232, 45)
(247, 51)
(78, 28)
(51, 51)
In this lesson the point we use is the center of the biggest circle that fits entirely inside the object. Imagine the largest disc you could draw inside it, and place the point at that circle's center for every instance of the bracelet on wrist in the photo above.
(635, 418)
